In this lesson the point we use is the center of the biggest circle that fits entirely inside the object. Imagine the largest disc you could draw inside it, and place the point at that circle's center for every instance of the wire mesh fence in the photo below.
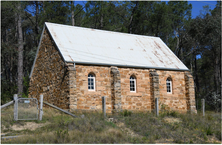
(27, 109)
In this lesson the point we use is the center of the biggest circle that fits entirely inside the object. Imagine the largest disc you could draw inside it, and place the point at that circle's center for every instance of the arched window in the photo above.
(132, 84)
(91, 82)
(169, 85)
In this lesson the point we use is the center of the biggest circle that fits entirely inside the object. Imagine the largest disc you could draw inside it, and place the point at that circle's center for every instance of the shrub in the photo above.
(126, 113)
(173, 114)
(208, 130)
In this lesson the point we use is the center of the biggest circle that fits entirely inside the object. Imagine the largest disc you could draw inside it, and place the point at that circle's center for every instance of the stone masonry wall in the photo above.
(176, 100)
(116, 89)
(190, 93)
(92, 100)
(50, 76)
(154, 87)
(141, 99)
(148, 82)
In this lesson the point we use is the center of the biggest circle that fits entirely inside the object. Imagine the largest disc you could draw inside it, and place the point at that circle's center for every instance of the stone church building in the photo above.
(74, 67)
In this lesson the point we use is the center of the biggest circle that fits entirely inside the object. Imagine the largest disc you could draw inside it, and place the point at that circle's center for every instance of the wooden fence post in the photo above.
(15, 107)
(41, 106)
(104, 105)
(203, 106)
(156, 107)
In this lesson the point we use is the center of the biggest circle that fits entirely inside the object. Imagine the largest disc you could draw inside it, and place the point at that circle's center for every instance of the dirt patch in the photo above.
(127, 130)
(172, 120)
(213, 139)
(28, 125)
(123, 127)
(164, 141)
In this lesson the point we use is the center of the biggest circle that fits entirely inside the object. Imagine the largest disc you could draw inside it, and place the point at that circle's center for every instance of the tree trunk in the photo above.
(196, 75)
(6, 36)
(43, 7)
(73, 16)
(101, 15)
(101, 22)
(16, 25)
(37, 24)
(217, 73)
(131, 19)
(20, 53)
(178, 42)
(221, 71)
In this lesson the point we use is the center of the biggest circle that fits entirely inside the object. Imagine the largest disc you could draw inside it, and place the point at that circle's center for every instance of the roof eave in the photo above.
(130, 66)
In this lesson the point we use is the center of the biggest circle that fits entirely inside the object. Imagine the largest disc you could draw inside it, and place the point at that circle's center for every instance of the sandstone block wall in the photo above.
(50, 76)
(116, 89)
(141, 99)
(154, 88)
(190, 93)
(114, 83)
(177, 100)
(92, 100)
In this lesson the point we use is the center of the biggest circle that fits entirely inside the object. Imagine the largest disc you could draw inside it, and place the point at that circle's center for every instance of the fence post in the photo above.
(104, 105)
(15, 107)
(41, 106)
(203, 106)
(156, 107)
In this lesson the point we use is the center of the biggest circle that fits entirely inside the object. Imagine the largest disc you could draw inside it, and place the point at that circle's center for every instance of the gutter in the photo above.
(131, 66)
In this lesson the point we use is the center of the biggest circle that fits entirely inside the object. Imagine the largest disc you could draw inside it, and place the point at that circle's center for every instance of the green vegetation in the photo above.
(169, 127)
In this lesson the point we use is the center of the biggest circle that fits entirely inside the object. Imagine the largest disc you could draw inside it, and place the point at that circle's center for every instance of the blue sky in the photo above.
(197, 6)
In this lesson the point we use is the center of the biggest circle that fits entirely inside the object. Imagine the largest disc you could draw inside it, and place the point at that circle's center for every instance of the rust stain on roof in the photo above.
(176, 66)
(70, 57)
(158, 46)
(151, 60)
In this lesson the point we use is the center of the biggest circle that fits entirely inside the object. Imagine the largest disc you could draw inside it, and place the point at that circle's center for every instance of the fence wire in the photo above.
(27, 109)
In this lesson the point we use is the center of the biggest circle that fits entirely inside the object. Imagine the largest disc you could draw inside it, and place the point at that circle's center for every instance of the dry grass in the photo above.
(170, 127)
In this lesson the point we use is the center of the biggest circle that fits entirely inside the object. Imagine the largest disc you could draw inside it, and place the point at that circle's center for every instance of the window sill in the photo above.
(92, 92)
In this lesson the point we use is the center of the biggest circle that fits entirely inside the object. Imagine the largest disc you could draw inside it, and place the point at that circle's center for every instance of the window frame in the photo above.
(94, 82)
(169, 81)
(134, 80)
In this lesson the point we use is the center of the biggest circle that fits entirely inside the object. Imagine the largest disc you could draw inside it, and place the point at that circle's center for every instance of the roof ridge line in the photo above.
(105, 31)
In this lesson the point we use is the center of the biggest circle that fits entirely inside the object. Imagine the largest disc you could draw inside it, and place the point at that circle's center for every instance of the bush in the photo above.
(126, 113)
(208, 130)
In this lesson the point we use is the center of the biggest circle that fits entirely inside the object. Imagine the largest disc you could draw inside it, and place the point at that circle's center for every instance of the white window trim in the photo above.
(134, 84)
(170, 82)
(94, 84)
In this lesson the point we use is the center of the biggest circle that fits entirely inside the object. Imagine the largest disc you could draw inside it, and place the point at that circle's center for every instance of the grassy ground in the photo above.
(126, 127)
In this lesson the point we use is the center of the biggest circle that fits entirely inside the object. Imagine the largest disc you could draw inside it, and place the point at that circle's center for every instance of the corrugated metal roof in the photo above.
(91, 46)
